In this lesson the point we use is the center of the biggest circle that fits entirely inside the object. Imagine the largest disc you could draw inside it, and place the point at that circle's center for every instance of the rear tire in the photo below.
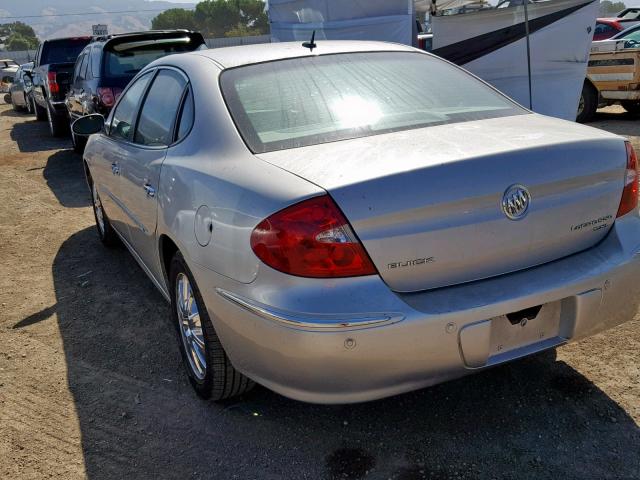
(106, 233)
(58, 127)
(28, 105)
(41, 113)
(210, 371)
(588, 103)
(630, 106)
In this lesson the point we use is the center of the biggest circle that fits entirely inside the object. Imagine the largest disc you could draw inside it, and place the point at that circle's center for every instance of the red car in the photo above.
(608, 27)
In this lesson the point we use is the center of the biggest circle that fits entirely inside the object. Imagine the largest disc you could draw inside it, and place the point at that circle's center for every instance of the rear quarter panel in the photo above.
(213, 169)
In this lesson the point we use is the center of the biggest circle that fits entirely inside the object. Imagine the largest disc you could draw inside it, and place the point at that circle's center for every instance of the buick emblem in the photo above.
(516, 201)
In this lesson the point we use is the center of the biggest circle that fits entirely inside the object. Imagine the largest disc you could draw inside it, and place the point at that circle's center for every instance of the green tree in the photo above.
(19, 36)
(254, 16)
(216, 17)
(17, 42)
(24, 30)
(219, 18)
(608, 8)
(174, 18)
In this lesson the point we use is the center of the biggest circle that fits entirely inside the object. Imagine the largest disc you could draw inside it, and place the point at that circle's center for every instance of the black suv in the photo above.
(106, 65)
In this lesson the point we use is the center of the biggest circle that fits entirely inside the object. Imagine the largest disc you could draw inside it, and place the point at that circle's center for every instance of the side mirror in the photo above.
(27, 76)
(88, 125)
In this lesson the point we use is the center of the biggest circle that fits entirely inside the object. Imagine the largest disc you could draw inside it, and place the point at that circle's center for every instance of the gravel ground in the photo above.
(91, 384)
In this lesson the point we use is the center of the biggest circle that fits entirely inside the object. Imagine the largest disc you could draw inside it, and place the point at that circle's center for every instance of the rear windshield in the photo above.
(306, 101)
(63, 51)
(127, 59)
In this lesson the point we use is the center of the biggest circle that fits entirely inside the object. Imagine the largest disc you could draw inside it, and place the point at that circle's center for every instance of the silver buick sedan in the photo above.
(360, 219)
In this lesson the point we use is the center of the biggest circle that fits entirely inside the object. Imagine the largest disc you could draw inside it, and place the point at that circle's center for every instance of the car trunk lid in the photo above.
(426, 203)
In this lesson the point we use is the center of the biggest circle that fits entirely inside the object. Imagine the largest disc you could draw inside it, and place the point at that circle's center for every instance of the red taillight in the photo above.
(52, 77)
(629, 200)
(311, 239)
(108, 96)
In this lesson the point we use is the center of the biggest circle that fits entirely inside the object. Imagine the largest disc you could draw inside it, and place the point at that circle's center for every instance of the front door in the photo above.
(114, 147)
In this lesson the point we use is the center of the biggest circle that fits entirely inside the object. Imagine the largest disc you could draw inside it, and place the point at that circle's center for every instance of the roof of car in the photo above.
(229, 57)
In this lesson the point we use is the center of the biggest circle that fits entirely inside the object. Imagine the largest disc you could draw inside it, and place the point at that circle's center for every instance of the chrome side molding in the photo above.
(310, 321)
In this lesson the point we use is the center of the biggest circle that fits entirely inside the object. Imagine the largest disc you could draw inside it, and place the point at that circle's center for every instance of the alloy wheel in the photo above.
(97, 208)
(190, 327)
(581, 105)
(50, 119)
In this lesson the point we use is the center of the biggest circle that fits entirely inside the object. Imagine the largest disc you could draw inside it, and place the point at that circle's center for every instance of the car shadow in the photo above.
(533, 419)
(11, 113)
(64, 175)
(33, 136)
(619, 122)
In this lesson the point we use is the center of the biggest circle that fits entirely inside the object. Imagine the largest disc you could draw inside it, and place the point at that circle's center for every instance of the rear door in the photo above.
(141, 165)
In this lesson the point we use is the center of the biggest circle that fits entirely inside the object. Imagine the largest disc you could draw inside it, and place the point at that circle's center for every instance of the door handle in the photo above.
(115, 169)
(151, 192)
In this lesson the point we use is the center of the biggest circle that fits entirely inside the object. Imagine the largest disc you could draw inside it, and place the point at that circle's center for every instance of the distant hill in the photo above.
(136, 18)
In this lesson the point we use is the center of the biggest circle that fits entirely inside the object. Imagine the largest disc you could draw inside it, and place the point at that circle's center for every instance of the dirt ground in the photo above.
(91, 384)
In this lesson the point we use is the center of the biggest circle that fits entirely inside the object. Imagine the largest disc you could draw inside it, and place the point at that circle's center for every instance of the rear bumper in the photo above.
(421, 338)
(620, 95)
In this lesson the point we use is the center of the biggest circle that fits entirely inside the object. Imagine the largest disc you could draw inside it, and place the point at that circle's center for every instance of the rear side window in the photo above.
(160, 109)
(96, 55)
(602, 28)
(186, 116)
(76, 69)
(83, 66)
(306, 101)
(124, 115)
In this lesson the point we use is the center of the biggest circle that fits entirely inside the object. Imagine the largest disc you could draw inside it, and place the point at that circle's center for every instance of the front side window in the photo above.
(160, 108)
(306, 101)
(125, 112)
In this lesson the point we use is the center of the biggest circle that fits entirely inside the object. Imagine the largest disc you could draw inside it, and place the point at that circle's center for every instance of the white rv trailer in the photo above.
(535, 52)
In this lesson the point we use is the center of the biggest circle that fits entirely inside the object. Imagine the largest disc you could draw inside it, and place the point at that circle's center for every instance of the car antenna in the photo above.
(312, 44)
